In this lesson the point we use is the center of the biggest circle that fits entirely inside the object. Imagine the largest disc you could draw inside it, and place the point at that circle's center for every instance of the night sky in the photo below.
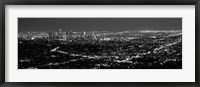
(98, 24)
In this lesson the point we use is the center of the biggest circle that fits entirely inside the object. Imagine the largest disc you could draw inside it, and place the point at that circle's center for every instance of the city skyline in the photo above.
(97, 24)
(100, 43)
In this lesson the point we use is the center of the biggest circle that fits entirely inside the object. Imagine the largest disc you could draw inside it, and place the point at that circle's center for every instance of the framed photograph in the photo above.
(76, 43)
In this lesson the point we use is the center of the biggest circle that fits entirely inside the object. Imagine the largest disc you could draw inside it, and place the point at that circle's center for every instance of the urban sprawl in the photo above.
(142, 49)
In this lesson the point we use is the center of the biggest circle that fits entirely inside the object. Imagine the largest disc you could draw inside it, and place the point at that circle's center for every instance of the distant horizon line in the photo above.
(100, 31)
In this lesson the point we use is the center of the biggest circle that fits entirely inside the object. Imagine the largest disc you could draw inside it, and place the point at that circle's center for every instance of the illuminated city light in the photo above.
(103, 49)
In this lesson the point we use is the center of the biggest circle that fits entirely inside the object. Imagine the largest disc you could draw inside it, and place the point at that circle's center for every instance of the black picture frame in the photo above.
(99, 2)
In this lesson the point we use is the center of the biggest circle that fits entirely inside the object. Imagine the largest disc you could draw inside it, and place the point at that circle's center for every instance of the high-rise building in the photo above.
(52, 36)
(69, 35)
(60, 35)
(56, 35)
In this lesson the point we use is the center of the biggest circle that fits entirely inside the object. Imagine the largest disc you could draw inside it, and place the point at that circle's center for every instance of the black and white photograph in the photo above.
(99, 43)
